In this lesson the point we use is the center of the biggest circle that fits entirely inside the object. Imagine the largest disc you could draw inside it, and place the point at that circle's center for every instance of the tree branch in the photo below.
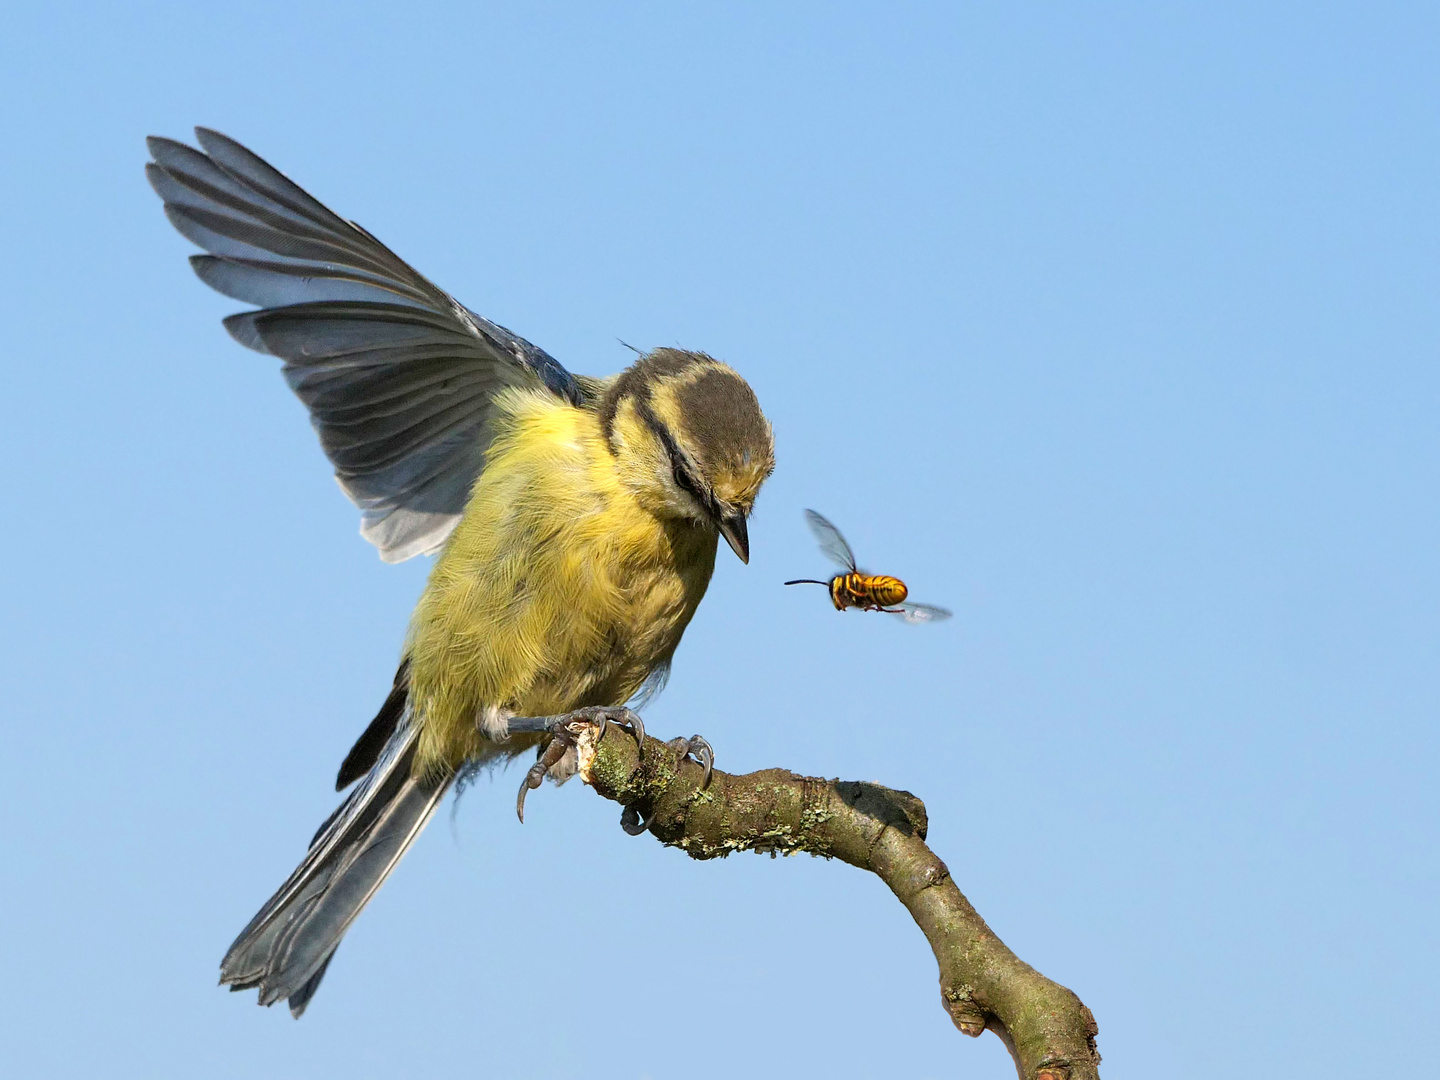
(1046, 1028)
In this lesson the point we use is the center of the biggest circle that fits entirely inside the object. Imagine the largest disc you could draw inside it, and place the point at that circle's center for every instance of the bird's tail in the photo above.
(287, 946)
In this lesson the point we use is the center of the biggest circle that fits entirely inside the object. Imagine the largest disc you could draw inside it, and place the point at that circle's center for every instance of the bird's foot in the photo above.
(563, 730)
(632, 822)
(697, 748)
(701, 751)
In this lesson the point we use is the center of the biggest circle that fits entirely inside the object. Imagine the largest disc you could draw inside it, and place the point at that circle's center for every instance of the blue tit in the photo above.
(575, 519)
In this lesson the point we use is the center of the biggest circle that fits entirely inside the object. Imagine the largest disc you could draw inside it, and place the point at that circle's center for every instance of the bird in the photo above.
(576, 520)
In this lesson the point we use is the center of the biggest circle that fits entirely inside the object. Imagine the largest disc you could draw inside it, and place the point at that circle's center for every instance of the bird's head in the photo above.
(690, 440)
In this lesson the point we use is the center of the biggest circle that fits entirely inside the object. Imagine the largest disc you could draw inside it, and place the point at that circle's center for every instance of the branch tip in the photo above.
(1045, 1027)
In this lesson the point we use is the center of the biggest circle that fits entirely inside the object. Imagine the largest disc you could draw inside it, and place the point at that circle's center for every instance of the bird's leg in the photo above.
(602, 716)
(561, 730)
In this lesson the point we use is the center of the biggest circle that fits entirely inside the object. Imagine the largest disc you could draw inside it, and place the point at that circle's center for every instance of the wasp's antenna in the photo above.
(632, 348)
(807, 581)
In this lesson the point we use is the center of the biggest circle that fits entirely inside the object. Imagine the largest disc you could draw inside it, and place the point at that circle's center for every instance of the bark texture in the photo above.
(983, 985)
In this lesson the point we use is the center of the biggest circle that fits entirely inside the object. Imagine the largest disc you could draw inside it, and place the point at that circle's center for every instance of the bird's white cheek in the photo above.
(675, 500)
(684, 504)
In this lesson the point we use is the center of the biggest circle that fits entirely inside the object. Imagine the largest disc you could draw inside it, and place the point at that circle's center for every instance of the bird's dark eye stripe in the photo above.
(684, 478)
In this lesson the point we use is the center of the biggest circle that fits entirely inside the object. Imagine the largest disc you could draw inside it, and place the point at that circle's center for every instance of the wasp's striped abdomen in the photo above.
(866, 590)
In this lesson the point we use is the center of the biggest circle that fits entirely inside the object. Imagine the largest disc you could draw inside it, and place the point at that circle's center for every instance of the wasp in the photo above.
(857, 589)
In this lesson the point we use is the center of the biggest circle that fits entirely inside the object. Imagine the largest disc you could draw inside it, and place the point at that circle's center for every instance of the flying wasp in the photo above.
(857, 589)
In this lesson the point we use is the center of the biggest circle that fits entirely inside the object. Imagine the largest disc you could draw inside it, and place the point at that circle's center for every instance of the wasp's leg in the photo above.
(562, 739)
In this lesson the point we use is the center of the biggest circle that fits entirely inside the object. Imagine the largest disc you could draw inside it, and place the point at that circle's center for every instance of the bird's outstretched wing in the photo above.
(399, 377)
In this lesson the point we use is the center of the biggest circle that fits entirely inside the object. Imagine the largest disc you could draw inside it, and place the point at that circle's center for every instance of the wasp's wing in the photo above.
(831, 542)
(918, 613)
(399, 377)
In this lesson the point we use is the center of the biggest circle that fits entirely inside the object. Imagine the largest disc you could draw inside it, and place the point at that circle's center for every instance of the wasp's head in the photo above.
(691, 440)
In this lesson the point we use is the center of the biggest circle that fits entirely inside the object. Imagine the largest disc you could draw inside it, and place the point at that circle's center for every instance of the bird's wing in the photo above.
(831, 542)
(399, 377)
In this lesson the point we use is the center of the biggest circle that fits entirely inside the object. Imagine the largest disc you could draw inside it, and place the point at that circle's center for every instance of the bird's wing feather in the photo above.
(399, 377)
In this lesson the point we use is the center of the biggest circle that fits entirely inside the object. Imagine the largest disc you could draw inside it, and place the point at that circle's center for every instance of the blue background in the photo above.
(1112, 327)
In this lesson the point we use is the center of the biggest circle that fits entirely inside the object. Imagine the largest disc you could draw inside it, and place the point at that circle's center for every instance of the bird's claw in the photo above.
(701, 750)
(562, 739)
(697, 747)
(632, 822)
(560, 742)
(602, 716)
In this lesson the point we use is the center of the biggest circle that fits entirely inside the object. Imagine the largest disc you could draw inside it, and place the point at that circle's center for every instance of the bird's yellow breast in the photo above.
(557, 589)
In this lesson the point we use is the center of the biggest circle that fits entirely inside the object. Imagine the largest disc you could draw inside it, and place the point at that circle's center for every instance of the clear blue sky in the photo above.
(1111, 327)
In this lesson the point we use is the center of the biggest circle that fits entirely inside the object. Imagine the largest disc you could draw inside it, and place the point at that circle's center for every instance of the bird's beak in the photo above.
(736, 535)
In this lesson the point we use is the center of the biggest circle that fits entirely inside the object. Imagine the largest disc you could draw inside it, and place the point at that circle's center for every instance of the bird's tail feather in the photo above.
(287, 946)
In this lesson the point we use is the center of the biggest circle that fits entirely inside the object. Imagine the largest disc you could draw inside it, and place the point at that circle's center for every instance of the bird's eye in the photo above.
(686, 482)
